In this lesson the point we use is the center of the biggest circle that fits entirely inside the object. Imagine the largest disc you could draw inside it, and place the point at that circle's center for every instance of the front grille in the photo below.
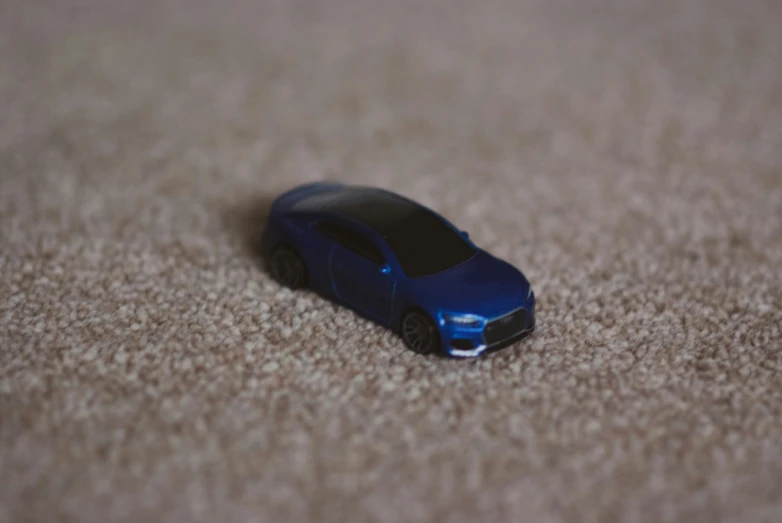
(461, 344)
(505, 327)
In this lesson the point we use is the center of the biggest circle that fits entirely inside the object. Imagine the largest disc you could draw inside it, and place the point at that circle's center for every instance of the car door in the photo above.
(358, 271)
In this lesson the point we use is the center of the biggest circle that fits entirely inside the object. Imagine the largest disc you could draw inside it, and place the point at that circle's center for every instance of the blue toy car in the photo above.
(400, 264)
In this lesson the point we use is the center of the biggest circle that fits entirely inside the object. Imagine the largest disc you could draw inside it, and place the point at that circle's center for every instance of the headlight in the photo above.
(464, 320)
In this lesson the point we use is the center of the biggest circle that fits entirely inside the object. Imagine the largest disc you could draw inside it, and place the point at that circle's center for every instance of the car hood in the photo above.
(483, 285)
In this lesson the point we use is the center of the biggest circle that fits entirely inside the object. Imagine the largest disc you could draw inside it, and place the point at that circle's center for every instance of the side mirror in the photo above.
(385, 268)
(465, 235)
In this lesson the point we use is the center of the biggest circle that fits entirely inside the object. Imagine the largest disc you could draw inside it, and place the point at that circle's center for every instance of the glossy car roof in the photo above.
(378, 209)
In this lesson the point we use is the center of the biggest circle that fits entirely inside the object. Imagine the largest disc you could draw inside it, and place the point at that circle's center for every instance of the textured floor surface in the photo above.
(627, 155)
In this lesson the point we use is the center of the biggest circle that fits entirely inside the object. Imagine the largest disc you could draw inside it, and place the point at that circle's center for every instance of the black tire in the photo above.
(287, 268)
(420, 333)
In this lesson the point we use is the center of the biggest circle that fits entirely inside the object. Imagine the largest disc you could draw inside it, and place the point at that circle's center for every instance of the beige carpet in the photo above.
(627, 155)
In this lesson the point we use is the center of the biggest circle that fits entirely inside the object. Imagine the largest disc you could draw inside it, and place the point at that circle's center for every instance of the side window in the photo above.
(350, 239)
(330, 229)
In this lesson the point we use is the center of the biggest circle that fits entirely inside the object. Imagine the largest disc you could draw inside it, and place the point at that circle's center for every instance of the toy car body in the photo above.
(400, 264)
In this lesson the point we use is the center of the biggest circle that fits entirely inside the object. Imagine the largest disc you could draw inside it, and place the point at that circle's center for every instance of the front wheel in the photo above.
(419, 333)
(287, 268)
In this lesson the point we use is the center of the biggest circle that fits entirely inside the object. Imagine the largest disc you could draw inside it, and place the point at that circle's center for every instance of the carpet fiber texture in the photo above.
(627, 155)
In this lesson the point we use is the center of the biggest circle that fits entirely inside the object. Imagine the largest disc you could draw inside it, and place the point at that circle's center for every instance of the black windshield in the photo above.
(423, 244)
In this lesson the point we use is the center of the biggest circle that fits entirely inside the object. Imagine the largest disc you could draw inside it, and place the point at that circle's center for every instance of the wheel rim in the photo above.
(418, 333)
(287, 268)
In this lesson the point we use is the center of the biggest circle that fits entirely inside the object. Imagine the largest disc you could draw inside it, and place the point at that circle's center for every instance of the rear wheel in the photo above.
(420, 333)
(288, 268)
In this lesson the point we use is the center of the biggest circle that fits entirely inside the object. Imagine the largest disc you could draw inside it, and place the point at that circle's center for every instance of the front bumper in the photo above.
(471, 343)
